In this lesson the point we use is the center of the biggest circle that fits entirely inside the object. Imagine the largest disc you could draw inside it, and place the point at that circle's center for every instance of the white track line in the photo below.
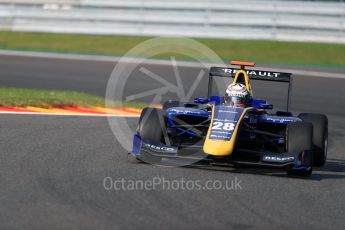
(69, 114)
(309, 73)
(85, 57)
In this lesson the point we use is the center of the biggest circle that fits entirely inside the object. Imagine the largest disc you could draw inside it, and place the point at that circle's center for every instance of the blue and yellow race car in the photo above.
(233, 129)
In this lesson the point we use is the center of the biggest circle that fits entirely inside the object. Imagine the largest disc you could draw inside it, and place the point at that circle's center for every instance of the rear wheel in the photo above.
(299, 139)
(320, 136)
(152, 127)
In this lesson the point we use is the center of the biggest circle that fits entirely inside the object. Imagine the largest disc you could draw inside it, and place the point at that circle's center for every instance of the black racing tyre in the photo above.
(299, 138)
(320, 136)
(152, 124)
(152, 127)
(170, 104)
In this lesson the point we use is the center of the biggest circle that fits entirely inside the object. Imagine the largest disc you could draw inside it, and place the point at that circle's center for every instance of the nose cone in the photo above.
(219, 147)
(222, 133)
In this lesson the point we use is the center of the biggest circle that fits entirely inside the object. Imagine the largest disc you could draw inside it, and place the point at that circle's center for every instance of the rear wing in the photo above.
(253, 75)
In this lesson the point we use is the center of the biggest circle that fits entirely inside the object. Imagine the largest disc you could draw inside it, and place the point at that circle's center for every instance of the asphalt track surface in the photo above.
(52, 168)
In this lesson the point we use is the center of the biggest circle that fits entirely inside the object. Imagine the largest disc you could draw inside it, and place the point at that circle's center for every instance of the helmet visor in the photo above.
(234, 100)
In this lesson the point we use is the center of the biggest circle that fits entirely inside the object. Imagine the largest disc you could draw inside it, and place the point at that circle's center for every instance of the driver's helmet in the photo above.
(236, 95)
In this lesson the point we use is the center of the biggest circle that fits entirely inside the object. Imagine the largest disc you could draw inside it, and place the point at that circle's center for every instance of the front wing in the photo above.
(297, 161)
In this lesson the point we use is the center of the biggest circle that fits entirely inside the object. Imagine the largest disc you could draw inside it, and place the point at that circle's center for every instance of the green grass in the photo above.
(17, 97)
(262, 52)
(281, 53)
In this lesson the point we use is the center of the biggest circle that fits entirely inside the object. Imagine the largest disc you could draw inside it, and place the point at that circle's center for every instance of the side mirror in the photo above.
(200, 100)
(217, 100)
(265, 106)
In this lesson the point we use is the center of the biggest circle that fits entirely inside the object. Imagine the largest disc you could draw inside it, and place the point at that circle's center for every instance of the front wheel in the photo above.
(152, 127)
(320, 136)
(299, 139)
(170, 104)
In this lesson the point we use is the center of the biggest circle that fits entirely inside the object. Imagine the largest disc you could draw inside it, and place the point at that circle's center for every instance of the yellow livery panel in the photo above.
(223, 130)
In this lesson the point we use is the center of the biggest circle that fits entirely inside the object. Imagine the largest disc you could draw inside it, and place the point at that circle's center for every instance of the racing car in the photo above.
(234, 128)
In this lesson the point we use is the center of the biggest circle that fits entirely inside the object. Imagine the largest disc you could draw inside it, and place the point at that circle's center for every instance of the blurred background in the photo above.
(285, 32)
(317, 21)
